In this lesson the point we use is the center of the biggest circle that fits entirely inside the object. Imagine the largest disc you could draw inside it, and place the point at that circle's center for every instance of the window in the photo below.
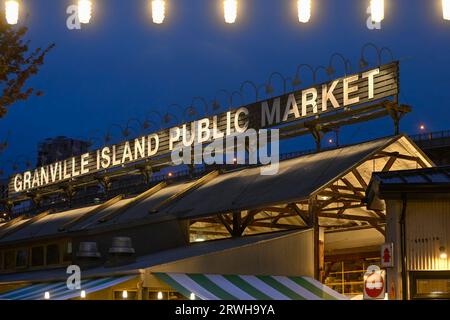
(9, 258)
(22, 258)
(67, 253)
(430, 285)
(37, 256)
(53, 255)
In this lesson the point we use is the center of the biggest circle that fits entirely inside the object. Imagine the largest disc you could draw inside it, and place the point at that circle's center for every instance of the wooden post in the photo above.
(314, 223)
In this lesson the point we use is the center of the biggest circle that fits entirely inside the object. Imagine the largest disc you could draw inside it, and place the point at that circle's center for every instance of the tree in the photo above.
(18, 63)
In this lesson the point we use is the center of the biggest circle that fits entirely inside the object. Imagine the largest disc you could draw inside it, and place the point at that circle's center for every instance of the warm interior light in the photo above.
(12, 11)
(192, 296)
(46, 295)
(160, 295)
(304, 10)
(124, 294)
(443, 253)
(230, 10)
(377, 10)
(446, 9)
(158, 11)
(84, 11)
(83, 294)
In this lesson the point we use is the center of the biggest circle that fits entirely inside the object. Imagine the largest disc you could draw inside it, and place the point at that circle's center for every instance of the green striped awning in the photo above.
(247, 287)
(59, 290)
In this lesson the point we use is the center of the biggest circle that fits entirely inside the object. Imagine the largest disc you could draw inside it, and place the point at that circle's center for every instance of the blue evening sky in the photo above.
(122, 65)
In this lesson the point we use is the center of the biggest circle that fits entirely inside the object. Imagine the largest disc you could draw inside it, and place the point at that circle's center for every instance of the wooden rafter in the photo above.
(389, 164)
(350, 217)
(359, 177)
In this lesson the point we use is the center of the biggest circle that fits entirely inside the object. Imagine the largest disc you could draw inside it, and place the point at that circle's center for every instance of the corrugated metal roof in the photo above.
(244, 189)
(436, 175)
(296, 180)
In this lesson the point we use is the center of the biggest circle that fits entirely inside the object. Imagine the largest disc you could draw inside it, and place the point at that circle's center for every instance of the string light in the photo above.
(230, 10)
(47, 295)
(192, 296)
(377, 10)
(158, 11)
(125, 294)
(12, 11)
(160, 295)
(304, 10)
(84, 11)
(83, 294)
(446, 9)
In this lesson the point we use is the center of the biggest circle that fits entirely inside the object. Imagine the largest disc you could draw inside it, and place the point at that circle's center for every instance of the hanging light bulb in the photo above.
(230, 10)
(12, 11)
(446, 9)
(160, 295)
(84, 11)
(46, 295)
(124, 294)
(192, 296)
(158, 11)
(304, 10)
(82, 294)
(377, 10)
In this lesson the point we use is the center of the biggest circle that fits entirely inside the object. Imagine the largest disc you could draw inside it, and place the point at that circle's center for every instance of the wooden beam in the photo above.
(225, 223)
(350, 217)
(90, 213)
(359, 177)
(345, 207)
(352, 187)
(136, 200)
(389, 164)
(198, 183)
(338, 195)
(301, 213)
(15, 227)
(378, 228)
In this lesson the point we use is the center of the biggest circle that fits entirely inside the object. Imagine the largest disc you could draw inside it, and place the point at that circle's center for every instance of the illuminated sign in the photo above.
(365, 87)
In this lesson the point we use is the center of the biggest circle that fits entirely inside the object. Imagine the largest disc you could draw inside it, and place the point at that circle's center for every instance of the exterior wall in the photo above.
(145, 239)
(427, 229)
(291, 255)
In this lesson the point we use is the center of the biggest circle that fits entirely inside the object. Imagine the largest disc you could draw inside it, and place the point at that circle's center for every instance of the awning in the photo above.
(247, 287)
(59, 290)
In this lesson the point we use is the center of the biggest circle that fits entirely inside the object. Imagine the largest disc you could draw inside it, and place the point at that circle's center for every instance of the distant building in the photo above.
(55, 149)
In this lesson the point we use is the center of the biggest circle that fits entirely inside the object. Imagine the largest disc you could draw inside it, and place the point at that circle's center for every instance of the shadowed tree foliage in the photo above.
(18, 63)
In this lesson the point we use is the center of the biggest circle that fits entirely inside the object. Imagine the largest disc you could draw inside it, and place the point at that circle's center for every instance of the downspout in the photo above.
(403, 246)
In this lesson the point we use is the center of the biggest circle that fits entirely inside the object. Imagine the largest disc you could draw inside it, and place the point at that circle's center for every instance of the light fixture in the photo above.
(443, 253)
(446, 9)
(330, 140)
(377, 10)
(160, 295)
(170, 174)
(83, 294)
(192, 296)
(84, 11)
(422, 127)
(124, 294)
(304, 10)
(158, 11)
(12, 11)
(230, 10)
(47, 295)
